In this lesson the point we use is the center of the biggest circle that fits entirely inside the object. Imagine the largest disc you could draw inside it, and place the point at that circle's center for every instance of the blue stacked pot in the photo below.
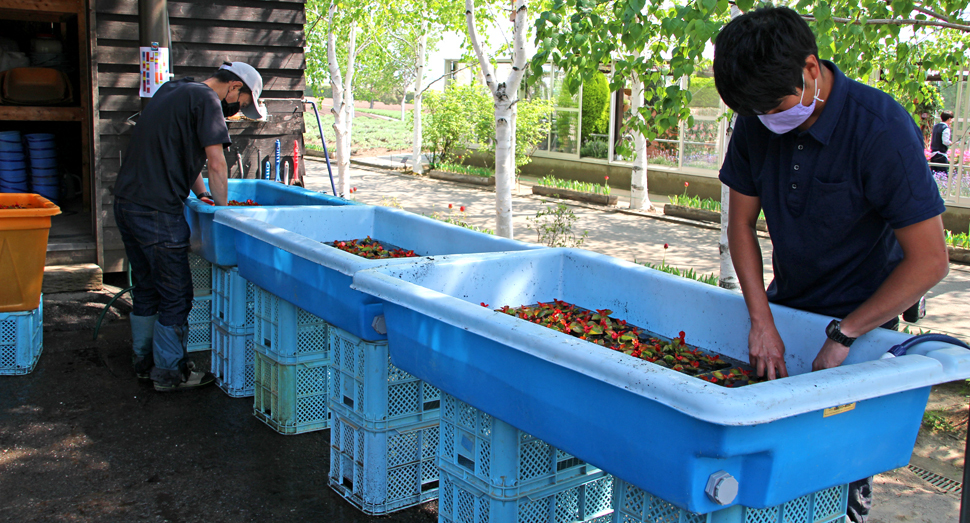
(13, 163)
(44, 176)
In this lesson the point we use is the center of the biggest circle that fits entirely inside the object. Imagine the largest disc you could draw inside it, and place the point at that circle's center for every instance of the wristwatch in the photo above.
(834, 333)
(206, 194)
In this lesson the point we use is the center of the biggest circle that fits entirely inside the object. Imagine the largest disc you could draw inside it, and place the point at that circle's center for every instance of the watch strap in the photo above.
(834, 333)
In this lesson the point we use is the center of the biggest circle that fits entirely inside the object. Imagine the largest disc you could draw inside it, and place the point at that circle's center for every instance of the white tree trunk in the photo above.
(416, 164)
(729, 277)
(639, 197)
(505, 95)
(404, 100)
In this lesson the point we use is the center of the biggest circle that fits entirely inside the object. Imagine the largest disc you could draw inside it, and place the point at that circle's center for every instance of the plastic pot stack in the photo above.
(13, 163)
(44, 179)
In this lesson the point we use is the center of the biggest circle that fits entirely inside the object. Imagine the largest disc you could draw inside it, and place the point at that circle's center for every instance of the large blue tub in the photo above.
(215, 242)
(665, 432)
(281, 250)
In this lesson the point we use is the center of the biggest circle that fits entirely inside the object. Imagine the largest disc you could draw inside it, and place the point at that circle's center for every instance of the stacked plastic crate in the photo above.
(200, 336)
(21, 340)
(633, 505)
(493, 472)
(233, 316)
(25, 221)
(384, 431)
(292, 357)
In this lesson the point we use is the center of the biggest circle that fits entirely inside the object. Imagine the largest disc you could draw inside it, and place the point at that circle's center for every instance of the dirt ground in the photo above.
(82, 441)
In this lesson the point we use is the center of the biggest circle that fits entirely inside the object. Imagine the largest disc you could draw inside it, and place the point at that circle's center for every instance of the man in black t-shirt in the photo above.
(181, 128)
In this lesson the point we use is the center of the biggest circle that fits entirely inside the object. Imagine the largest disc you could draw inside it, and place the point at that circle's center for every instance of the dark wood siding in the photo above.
(266, 34)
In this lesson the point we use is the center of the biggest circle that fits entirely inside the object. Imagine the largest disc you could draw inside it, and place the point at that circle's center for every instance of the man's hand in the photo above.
(766, 351)
(831, 355)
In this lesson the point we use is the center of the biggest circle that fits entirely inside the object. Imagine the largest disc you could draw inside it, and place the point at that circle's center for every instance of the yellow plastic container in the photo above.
(23, 249)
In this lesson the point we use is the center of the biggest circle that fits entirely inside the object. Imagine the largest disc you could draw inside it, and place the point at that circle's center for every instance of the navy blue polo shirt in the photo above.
(833, 194)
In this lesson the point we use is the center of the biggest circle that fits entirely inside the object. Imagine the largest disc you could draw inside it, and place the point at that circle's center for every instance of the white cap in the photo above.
(250, 76)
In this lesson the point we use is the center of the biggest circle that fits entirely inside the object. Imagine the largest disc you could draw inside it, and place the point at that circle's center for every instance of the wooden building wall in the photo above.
(267, 34)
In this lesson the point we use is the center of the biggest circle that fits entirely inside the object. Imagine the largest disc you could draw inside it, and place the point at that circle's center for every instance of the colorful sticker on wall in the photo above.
(155, 68)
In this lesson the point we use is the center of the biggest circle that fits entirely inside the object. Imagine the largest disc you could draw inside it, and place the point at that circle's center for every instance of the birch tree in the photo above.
(416, 164)
(343, 96)
(504, 95)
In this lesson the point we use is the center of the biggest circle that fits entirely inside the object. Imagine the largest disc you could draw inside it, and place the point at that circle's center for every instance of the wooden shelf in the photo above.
(40, 113)
(45, 6)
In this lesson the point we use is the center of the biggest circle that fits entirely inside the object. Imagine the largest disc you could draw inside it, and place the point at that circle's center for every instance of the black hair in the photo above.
(759, 58)
(946, 116)
(226, 76)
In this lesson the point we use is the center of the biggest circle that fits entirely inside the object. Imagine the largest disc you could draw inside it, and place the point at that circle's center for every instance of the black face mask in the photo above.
(229, 109)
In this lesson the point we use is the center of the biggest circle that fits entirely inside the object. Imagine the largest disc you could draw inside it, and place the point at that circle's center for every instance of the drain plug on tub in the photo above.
(722, 488)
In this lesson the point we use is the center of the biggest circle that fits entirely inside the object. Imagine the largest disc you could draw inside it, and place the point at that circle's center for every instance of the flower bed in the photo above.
(372, 249)
(599, 328)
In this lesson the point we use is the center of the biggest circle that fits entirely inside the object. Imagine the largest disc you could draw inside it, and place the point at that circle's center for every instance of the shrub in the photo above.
(531, 127)
(448, 125)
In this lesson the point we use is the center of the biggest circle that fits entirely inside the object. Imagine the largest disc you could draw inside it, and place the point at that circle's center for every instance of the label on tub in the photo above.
(839, 409)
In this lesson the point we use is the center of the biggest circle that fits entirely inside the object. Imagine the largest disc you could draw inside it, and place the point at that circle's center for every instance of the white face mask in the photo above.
(787, 120)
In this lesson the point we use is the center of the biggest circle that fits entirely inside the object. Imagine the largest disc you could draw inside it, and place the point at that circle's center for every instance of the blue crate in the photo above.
(364, 384)
(21, 340)
(633, 505)
(233, 300)
(287, 333)
(499, 459)
(200, 324)
(587, 499)
(215, 242)
(201, 271)
(291, 399)
(383, 471)
(233, 362)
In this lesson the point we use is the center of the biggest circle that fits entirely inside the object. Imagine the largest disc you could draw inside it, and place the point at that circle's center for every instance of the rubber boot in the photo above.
(172, 369)
(142, 332)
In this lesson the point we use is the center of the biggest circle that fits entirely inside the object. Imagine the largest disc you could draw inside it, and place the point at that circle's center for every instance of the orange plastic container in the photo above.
(23, 249)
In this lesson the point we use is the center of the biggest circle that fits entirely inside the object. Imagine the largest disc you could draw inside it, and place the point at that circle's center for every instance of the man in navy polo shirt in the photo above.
(838, 168)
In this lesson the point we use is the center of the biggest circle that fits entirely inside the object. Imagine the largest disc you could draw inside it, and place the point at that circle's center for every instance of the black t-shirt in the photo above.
(167, 148)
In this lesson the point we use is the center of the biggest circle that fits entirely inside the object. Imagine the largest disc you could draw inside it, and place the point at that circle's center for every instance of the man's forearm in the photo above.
(749, 265)
(218, 186)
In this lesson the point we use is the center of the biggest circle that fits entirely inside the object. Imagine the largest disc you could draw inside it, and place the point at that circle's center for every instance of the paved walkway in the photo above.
(620, 233)
(900, 495)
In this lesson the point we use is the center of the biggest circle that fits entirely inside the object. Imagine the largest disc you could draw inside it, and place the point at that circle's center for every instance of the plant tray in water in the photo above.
(371, 249)
(599, 328)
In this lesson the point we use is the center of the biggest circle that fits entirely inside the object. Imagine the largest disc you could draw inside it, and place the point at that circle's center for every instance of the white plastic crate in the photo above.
(233, 362)
(291, 399)
(382, 471)
(287, 333)
(21, 340)
(633, 505)
(497, 458)
(586, 499)
(201, 270)
(366, 386)
(200, 324)
(233, 300)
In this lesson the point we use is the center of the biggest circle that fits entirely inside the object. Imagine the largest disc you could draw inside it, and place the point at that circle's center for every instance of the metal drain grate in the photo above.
(938, 481)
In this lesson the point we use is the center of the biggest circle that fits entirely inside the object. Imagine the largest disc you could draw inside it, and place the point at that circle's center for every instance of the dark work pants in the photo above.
(860, 500)
(939, 158)
(157, 245)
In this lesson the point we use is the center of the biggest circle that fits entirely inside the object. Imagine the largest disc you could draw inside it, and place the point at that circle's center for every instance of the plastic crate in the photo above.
(633, 505)
(201, 271)
(291, 399)
(200, 324)
(23, 249)
(364, 384)
(287, 333)
(21, 340)
(497, 458)
(233, 362)
(586, 499)
(233, 300)
(382, 471)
